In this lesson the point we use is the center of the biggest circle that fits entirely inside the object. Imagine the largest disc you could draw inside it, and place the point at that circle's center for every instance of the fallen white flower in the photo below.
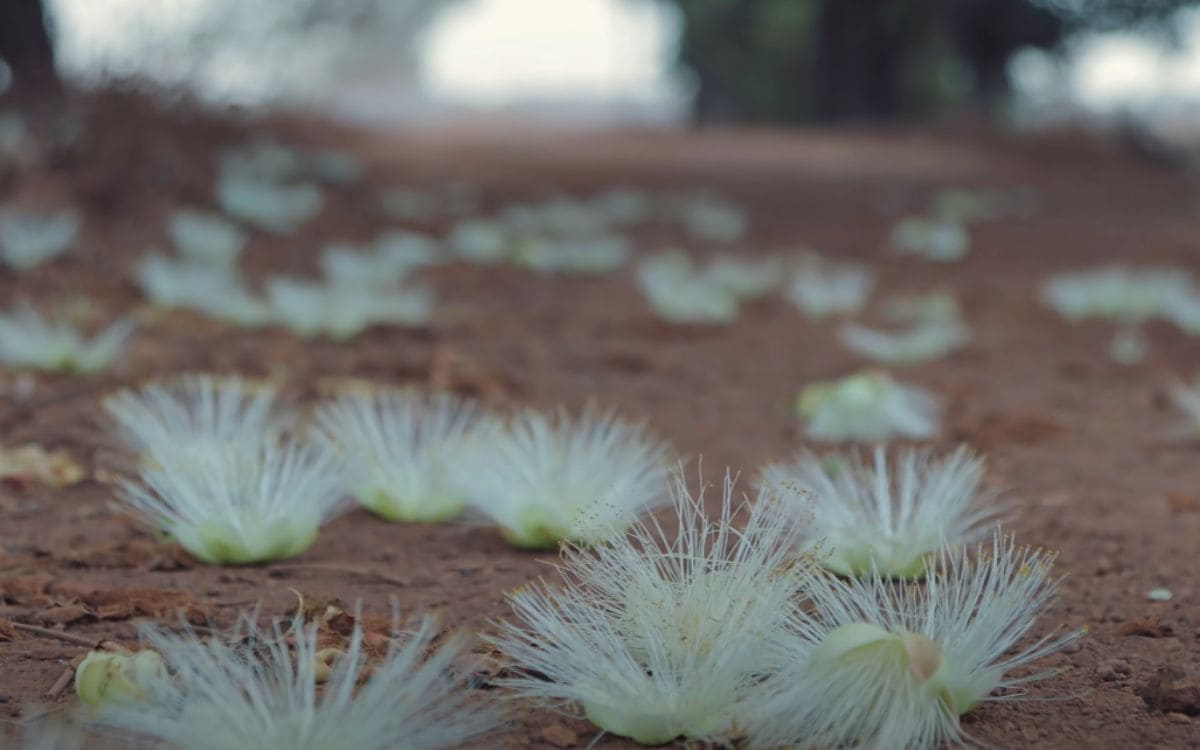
(29, 339)
(867, 406)
(885, 517)
(662, 633)
(549, 478)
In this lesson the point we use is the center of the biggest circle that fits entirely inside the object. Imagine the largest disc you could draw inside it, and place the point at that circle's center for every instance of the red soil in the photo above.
(1076, 438)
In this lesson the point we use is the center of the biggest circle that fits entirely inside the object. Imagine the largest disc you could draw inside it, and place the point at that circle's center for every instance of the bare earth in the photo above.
(1076, 439)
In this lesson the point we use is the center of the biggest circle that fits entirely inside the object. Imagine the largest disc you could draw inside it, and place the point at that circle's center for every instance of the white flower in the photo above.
(29, 339)
(263, 160)
(820, 288)
(28, 240)
(1129, 296)
(661, 634)
(892, 666)
(402, 450)
(558, 218)
(206, 238)
(335, 167)
(406, 249)
(623, 206)
(342, 311)
(238, 501)
(216, 291)
(966, 206)
(937, 239)
(1181, 306)
(710, 218)
(921, 343)
(1186, 398)
(745, 278)
(582, 256)
(168, 420)
(271, 206)
(1117, 293)
(868, 406)
(544, 479)
(479, 241)
(885, 518)
(425, 204)
(681, 295)
(252, 692)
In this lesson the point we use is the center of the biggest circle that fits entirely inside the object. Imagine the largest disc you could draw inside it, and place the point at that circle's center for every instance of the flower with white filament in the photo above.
(402, 450)
(880, 664)
(549, 478)
(240, 501)
(821, 288)
(30, 339)
(661, 634)
(886, 517)
(867, 406)
(258, 690)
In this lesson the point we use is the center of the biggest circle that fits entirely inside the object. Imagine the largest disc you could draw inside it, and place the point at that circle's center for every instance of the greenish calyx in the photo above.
(889, 560)
(219, 544)
(651, 724)
(432, 509)
(919, 655)
(535, 528)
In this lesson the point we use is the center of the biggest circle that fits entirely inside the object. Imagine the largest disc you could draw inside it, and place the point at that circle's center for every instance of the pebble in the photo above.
(1177, 718)
(1112, 670)
(1159, 595)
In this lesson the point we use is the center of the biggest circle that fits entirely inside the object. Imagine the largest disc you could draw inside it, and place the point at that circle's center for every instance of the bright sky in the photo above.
(492, 51)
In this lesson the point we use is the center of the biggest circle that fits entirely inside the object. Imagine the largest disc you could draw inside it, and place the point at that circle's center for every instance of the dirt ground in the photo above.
(1075, 438)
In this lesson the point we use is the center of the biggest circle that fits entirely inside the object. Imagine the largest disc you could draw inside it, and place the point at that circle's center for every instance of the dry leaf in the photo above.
(34, 464)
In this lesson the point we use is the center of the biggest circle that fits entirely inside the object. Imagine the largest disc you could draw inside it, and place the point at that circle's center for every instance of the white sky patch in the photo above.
(493, 52)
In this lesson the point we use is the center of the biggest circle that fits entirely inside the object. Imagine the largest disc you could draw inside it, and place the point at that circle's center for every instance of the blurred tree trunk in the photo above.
(26, 48)
(792, 61)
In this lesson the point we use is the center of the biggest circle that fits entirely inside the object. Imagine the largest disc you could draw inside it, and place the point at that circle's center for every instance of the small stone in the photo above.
(1177, 718)
(1159, 595)
(1112, 670)
(560, 736)
(1146, 627)
(1093, 725)
(1172, 690)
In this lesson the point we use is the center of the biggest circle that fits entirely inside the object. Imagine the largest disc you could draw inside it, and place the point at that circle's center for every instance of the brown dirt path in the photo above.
(1073, 436)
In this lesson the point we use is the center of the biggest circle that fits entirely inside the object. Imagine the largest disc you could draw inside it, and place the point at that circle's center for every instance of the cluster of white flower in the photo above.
(942, 234)
(934, 328)
(28, 239)
(361, 288)
(821, 288)
(228, 474)
(217, 473)
(274, 687)
(728, 632)
(28, 339)
(681, 292)
(1129, 297)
